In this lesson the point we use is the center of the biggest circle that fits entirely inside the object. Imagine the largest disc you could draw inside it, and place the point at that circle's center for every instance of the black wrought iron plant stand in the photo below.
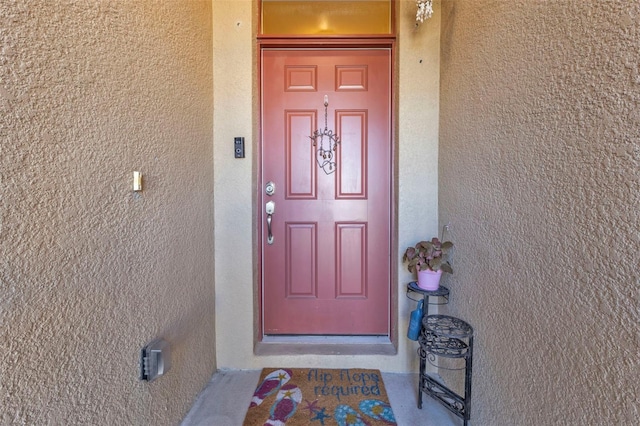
(447, 337)
(444, 336)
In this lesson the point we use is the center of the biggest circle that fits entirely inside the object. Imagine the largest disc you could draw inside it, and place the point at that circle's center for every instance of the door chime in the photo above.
(325, 156)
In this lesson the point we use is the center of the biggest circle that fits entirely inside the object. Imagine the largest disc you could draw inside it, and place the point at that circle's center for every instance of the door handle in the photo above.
(270, 208)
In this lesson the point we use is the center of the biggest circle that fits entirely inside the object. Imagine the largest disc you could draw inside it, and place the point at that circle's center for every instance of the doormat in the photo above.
(323, 397)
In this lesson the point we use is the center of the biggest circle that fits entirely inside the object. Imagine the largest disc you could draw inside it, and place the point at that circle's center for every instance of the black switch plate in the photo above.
(238, 146)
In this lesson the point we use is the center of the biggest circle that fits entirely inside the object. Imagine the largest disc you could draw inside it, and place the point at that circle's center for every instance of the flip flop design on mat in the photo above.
(347, 416)
(285, 406)
(378, 410)
(272, 383)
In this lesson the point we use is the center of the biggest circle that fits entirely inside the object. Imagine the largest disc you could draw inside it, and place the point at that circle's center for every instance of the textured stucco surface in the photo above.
(235, 106)
(539, 177)
(90, 271)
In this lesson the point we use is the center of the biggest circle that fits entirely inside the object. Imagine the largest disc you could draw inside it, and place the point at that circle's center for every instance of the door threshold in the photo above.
(325, 345)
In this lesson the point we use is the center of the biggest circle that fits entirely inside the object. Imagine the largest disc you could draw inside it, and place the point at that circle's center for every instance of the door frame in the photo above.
(260, 346)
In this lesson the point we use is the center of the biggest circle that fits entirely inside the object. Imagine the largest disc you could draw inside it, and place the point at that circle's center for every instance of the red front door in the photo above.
(326, 267)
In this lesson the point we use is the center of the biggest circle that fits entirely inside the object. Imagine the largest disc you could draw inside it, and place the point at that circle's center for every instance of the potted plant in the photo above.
(428, 259)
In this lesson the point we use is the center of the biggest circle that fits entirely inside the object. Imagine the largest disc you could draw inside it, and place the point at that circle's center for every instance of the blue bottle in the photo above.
(415, 323)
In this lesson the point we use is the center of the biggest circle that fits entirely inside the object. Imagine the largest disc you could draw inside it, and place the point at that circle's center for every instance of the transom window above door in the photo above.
(326, 17)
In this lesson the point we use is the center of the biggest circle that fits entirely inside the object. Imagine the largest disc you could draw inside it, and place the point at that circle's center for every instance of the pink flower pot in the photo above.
(429, 280)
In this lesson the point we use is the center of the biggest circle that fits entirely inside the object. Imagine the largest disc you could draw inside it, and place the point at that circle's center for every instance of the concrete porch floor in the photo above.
(225, 399)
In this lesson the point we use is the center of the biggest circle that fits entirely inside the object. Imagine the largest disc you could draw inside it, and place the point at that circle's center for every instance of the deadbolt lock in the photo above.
(270, 188)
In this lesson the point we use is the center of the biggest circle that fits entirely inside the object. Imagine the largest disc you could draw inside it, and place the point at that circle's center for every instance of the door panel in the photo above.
(301, 282)
(300, 164)
(328, 269)
(351, 256)
(352, 175)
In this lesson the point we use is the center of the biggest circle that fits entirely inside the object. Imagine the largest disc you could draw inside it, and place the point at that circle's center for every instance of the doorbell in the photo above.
(238, 146)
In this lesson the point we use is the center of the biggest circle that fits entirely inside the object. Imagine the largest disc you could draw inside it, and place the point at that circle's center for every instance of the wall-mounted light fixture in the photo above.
(425, 10)
(155, 360)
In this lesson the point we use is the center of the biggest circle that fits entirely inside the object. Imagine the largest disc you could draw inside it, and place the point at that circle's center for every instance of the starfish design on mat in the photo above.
(312, 406)
(321, 415)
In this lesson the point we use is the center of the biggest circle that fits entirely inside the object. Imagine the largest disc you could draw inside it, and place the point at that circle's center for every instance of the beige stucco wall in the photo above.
(89, 271)
(539, 172)
(236, 107)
